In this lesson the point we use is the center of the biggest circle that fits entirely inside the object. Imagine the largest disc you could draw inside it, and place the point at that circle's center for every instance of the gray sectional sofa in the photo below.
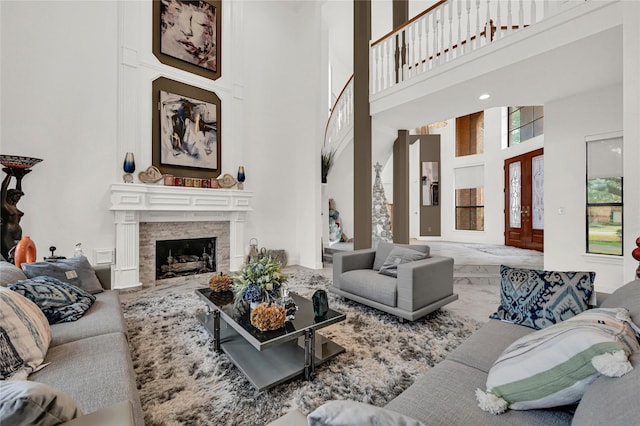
(421, 286)
(445, 394)
(90, 362)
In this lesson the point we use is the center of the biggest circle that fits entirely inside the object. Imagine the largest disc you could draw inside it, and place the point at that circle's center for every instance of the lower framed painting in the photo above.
(186, 130)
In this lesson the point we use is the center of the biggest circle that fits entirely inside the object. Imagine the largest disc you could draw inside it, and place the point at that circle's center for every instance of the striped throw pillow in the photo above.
(24, 335)
(553, 366)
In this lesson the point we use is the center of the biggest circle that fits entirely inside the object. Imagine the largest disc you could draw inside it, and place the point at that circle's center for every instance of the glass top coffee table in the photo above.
(271, 357)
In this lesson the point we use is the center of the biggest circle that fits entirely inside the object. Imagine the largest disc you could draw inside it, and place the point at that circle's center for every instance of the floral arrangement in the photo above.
(268, 316)
(220, 283)
(259, 280)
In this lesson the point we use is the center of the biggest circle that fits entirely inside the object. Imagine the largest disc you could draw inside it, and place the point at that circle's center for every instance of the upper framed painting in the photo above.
(186, 130)
(187, 35)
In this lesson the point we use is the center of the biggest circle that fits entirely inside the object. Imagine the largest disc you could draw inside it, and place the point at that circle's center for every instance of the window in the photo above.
(470, 198)
(525, 122)
(470, 134)
(604, 196)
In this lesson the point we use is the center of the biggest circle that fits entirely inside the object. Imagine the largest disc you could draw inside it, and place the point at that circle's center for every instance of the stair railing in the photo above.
(340, 121)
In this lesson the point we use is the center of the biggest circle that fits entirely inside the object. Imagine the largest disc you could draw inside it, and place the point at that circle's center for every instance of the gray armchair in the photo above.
(421, 286)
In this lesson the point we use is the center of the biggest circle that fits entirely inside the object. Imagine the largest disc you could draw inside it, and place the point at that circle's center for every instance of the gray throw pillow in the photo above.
(399, 255)
(339, 413)
(10, 273)
(35, 404)
(76, 271)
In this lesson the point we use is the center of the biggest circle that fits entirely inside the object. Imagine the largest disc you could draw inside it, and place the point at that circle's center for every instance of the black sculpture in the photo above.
(11, 231)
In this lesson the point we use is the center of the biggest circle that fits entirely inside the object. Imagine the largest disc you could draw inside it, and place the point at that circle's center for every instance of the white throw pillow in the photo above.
(24, 335)
(553, 366)
(340, 413)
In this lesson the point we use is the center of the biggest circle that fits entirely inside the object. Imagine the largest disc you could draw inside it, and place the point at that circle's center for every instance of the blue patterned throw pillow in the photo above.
(538, 299)
(59, 301)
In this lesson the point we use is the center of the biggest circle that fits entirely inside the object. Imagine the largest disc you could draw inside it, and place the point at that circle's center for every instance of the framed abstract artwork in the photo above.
(186, 35)
(186, 130)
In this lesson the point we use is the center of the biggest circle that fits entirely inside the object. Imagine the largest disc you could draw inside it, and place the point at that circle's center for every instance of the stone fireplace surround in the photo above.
(194, 211)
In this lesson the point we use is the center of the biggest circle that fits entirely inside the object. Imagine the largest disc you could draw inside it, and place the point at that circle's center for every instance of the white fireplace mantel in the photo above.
(136, 203)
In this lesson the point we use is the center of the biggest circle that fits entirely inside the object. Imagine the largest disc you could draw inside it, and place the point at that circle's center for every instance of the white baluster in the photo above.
(534, 12)
(436, 28)
(441, 12)
(477, 41)
(419, 57)
(450, 44)
(509, 18)
(378, 56)
(404, 34)
(468, 39)
(487, 25)
(391, 61)
(385, 64)
(427, 29)
(459, 41)
(498, 21)
(414, 62)
(521, 14)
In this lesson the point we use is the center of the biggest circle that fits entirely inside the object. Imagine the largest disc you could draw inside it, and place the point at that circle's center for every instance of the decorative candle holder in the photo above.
(241, 177)
(129, 166)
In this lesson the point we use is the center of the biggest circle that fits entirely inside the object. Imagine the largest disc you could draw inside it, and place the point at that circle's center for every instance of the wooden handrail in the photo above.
(415, 18)
(333, 108)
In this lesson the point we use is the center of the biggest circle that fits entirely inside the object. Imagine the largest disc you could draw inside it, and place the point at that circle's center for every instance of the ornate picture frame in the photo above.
(187, 35)
(186, 130)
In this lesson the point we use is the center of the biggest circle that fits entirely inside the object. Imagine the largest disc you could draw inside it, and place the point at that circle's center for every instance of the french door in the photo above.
(524, 201)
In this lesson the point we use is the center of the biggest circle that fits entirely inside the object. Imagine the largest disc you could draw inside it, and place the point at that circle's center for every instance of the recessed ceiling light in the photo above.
(484, 96)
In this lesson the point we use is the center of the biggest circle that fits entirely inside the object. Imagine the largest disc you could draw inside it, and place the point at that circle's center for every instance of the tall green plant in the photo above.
(326, 157)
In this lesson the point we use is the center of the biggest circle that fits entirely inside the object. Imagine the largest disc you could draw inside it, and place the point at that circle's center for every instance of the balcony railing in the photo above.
(447, 30)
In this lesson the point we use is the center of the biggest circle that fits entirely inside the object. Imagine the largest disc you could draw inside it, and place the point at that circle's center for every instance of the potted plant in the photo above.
(260, 280)
(326, 156)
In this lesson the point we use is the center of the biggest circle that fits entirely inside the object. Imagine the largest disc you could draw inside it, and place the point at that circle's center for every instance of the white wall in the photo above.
(59, 89)
(69, 99)
(567, 122)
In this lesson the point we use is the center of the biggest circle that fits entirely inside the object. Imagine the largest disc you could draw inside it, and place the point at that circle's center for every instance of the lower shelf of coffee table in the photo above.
(274, 365)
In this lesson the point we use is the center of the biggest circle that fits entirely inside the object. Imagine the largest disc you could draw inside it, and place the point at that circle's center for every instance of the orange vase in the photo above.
(25, 251)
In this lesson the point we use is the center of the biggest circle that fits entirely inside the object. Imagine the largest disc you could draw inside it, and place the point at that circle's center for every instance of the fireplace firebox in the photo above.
(175, 258)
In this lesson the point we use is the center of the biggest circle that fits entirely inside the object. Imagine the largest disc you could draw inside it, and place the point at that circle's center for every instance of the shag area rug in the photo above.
(183, 381)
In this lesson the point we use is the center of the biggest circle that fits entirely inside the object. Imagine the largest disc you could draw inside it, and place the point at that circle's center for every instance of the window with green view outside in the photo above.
(604, 197)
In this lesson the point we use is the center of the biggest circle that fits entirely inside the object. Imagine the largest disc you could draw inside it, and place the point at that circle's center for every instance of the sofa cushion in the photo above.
(369, 284)
(10, 273)
(34, 404)
(397, 256)
(24, 335)
(76, 271)
(610, 401)
(486, 344)
(95, 372)
(627, 296)
(554, 366)
(538, 299)
(384, 248)
(444, 396)
(339, 413)
(104, 317)
(60, 302)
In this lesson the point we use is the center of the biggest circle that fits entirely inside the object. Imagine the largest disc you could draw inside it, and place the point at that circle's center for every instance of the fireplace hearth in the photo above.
(181, 257)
